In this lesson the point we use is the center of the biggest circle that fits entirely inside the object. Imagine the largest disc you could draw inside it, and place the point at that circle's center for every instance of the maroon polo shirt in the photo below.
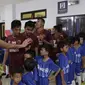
(47, 34)
(16, 55)
(34, 44)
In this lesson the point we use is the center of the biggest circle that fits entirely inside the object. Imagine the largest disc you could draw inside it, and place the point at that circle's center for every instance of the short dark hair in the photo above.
(58, 27)
(30, 24)
(32, 53)
(15, 23)
(17, 70)
(70, 40)
(42, 20)
(61, 44)
(29, 64)
(76, 38)
(47, 47)
(81, 34)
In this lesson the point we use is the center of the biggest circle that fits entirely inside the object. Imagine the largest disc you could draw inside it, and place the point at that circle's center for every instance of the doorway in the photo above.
(73, 24)
(2, 30)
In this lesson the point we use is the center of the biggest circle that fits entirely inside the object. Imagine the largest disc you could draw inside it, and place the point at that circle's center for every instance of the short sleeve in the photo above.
(61, 62)
(37, 58)
(83, 51)
(35, 74)
(54, 67)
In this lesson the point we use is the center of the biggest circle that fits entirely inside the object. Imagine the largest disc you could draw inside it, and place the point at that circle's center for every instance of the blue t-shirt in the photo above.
(28, 79)
(18, 84)
(83, 50)
(78, 54)
(64, 65)
(70, 54)
(45, 68)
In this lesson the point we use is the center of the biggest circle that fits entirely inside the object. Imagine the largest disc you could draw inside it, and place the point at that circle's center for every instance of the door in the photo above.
(67, 23)
(2, 30)
(72, 25)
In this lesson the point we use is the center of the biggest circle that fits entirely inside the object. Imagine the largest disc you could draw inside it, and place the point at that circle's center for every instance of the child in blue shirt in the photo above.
(70, 55)
(77, 48)
(46, 66)
(62, 78)
(28, 78)
(17, 76)
(82, 42)
(31, 54)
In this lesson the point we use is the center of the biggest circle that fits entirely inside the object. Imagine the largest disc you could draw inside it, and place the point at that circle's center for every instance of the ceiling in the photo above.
(5, 2)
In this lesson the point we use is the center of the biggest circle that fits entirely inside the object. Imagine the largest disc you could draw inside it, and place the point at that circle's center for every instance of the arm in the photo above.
(54, 76)
(54, 68)
(57, 73)
(62, 78)
(5, 56)
(50, 43)
(8, 46)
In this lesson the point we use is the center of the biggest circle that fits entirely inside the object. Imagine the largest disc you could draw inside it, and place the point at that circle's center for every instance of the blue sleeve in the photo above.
(54, 67)
(23, 79)
(38, 57)
(83, 51)
(21, 83)
(35, 74)
(68, 55)
(61, 62)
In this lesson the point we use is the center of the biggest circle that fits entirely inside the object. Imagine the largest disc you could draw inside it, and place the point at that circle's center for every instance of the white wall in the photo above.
(74, 9)
(8, 16)
(11, 13)
(51, 6)
(2, 14)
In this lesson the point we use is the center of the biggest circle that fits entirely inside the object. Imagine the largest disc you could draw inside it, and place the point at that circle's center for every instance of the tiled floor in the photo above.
(7, 81)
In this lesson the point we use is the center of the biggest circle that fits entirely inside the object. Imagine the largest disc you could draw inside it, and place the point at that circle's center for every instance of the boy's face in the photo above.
(65, 48)
(28, 29)
(17, 77)
(39, 24)
(26, 56)
(16, 30)
(43, 52)
(76, 43)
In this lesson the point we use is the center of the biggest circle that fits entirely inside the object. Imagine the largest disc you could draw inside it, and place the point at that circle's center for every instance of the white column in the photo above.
(10, 14)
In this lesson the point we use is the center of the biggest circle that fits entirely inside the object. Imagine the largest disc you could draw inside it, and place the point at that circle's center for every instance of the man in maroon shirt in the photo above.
(43, 35)
(16, 55)
(28, 33)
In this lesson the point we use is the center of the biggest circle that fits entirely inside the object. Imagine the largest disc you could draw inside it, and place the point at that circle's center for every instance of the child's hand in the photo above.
(51, 78)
